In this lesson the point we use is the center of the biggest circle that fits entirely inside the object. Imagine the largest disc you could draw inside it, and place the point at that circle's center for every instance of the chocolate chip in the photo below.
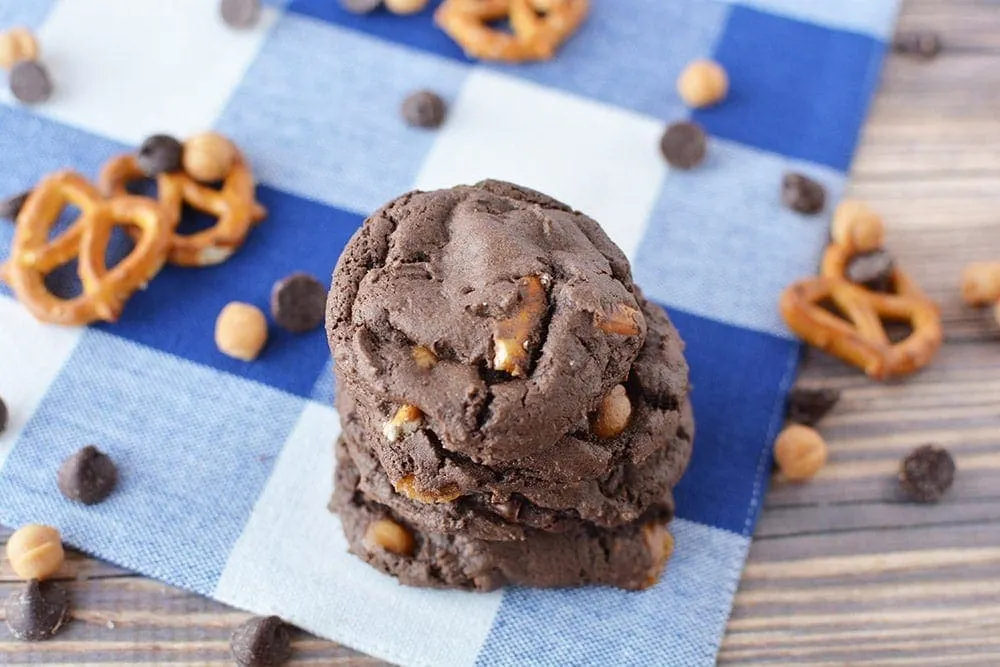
(261, 642)
(361, 6)
(4, 415)
(684, 145)
(159, 154)
(808, 406)
(424, 109)
(802, 194)
(88, 477)
(874, 270)
(37, 611)
(926, 473)
(921, 44)
(11, 206)
(30, 82)
(240, 13)
(298, 303)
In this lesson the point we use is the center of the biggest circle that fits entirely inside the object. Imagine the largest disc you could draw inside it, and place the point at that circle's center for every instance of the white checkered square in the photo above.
(597, 158)
(127, 69)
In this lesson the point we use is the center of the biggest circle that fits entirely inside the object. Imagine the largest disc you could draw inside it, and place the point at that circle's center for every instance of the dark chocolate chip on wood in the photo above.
(36, 611)
(88, 477)
(684, 145)
(874, 270)
(424, 109)
(808, 406)
(921, 44)
(159, 154)
(361, 6)
(298, 303)
(240, 13)
(30, 82)
(263, 641)
(11, 206)
(802, 194)
(926, 473)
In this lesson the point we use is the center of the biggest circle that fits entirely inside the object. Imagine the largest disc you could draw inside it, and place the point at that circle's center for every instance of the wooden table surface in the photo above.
(842, 570)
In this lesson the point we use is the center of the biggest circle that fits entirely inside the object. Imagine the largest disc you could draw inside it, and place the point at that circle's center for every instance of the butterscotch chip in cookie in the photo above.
(612, 414)
(407, 419)
(241, 331)
(387, 535)
(424, 356)
(208, 157)
(35, 551)
(17, 45)
(703, 83)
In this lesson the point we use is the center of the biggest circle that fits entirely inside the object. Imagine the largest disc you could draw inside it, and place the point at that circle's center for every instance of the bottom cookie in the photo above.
(630, 557)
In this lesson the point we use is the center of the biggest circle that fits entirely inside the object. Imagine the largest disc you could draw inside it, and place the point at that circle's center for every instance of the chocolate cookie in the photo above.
(503, 314)
(506, 508)
(631, 556)
(656, 389)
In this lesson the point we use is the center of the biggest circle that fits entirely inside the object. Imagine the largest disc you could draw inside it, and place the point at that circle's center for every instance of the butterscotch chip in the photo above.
(35, 551)
(800, 452)
(387, 535)
(856, 226)
(660, 543)
(406, 420)
(612, 414)
(241, 331)
(16, 45)
(208, 157)
(424, 357)
(623, 320)
(703, 83)
(405, 6)
(981, 283)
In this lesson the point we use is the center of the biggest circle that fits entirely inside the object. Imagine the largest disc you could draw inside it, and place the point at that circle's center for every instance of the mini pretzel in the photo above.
(861, 339)
(105, 291)
(532, 37)
(235, 207)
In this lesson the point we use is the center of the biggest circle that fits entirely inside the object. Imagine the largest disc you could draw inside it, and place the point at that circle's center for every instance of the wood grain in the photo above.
(843, 570)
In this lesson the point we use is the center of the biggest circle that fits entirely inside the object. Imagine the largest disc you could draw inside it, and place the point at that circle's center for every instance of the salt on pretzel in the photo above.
(234, 206)
(860, 338)
(533, 36)
(105, 291)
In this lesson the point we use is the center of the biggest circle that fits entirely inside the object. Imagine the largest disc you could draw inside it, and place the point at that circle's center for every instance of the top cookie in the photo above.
(501, 313)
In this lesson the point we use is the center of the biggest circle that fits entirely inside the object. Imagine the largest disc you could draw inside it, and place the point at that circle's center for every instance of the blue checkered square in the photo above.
(170, 516)
(796, 88)
(319, 113)
(177, 312)
(721, 244)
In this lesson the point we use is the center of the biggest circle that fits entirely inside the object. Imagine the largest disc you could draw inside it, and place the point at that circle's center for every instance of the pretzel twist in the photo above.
(234, 206)
(105, 291)
(532, 37)
(860, 338)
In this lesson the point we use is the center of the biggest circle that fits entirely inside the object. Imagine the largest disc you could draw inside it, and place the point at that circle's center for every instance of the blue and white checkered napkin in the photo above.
(226, 466)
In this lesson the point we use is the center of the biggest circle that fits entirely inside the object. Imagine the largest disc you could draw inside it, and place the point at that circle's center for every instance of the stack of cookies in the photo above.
(513, 410)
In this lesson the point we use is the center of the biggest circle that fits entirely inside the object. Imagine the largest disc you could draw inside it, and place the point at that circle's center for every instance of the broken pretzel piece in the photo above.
(406, 421)
(513, 337)
(407, 486)
(538, 27)
(623, 320)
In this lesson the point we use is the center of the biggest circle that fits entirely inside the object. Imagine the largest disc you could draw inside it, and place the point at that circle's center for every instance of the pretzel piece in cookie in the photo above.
(513, 336)
(538, 27)
(859, 337)
(104, 290)
(234, 206)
